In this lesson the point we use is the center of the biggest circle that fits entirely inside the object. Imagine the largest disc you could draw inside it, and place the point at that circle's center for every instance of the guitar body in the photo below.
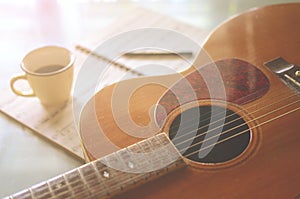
(267, 166)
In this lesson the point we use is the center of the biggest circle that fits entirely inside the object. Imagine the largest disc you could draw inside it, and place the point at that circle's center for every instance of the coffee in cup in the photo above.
(49, 72)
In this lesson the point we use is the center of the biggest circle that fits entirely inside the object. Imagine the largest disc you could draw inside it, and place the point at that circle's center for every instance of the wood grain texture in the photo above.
(272, 169)
(230, 80)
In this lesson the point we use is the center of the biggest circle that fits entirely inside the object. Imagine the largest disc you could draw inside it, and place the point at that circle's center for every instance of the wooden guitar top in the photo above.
(127, 112)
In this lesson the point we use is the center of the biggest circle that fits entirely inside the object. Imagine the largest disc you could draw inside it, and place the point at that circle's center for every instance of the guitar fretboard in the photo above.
(112, 174)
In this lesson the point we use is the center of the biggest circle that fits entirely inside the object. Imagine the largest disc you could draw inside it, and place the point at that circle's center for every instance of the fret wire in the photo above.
(164, 140)
(127, 180)
(50, 188)
(68, 185)
(127, 160)
(88, 173)
(63, 194)
(165, 160)
(115, 187)
(154, 159)
(59, 186)
(127, 166)
(76, 184)
(31, 193)
(83, 180)
(144, 152)
(157, 155)
(137, 176)
(116, 165)
(134, 162)
(102, 170)
(111, 171)
(122, 166)
(171, 151)
(136, 148)
(41, 190)
(123, 156)
(113, 177)
(79, 181)
(156, 151)
(79, 186)
(91, 178)
(81, 194)
(99, 177)
(32, 190)
(107, 192)
(174, 153)
(151, 173)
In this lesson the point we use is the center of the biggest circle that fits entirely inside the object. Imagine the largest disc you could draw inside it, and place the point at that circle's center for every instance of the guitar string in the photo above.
(229, 130)
(218, 114)
(138, 175)
(210, 138)
(228, 116)
(211, 130)
(240, 133)
(265, 121)
(84, 49)
(213, 144)
(236, 113)
(231, 137)
(67, 185)
(127, 68)
(95, 175)
(129, 180)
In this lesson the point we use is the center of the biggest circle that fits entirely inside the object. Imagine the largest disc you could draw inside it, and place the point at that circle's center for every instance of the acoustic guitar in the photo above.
(222, 129)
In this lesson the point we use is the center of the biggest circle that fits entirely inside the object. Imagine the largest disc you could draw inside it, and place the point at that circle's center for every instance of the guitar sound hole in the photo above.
(209, 134)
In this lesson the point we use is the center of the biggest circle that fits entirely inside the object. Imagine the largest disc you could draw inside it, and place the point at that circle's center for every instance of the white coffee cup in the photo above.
(49, 72)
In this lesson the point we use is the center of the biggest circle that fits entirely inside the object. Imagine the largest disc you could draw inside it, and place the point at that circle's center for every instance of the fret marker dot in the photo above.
(130, 165)
(106, 174)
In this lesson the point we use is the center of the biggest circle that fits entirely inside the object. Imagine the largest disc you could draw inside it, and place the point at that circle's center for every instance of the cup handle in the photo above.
(21, 93)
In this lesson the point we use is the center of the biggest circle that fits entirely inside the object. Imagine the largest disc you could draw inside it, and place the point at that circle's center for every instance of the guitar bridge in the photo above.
(288, 73)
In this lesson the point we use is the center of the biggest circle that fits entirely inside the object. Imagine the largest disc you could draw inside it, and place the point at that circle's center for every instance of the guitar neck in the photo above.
(112, 174)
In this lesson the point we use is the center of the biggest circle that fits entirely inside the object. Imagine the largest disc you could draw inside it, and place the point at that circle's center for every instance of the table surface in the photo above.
(25, 158)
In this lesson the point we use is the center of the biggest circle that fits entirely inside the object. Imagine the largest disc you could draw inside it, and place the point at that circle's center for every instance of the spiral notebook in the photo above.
(57, 124)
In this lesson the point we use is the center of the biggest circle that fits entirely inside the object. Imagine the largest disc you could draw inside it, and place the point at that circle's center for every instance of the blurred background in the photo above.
(25, 158)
